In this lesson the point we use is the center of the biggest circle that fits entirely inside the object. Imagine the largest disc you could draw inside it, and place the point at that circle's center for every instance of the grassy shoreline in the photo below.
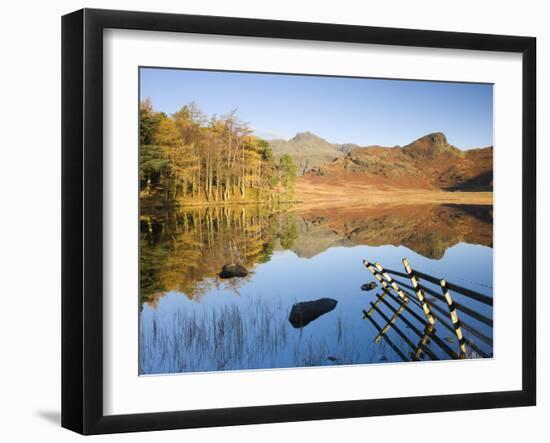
(352, 196)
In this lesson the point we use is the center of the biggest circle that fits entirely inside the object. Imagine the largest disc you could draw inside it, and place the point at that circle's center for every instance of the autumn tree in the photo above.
(190, 157)
(153, 163)
(287, 174)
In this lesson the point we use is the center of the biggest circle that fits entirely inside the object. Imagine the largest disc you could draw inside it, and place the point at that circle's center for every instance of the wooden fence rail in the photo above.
(474, 314)
(388, 340)
(482, 298)
(397, 290)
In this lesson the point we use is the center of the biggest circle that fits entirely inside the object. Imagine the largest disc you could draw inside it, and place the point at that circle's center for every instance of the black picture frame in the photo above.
(82, 219)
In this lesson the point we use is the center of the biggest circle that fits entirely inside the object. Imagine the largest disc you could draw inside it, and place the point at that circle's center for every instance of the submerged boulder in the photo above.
(305, 312)
(368, 286)
(233, 270)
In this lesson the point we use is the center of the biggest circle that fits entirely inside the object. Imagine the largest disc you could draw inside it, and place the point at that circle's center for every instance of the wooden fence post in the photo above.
(454, 317)
(391, 282)
(428, 331)
(419, 292)
(378, 276)
(386, 282)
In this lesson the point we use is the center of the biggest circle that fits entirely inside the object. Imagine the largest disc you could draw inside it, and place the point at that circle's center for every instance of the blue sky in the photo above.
(341, 110)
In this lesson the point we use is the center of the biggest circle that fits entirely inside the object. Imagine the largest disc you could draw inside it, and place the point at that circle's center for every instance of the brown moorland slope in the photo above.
(429, 163)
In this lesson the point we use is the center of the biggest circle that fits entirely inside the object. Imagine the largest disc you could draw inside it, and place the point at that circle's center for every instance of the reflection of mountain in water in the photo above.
(185, 250)
(428, 229)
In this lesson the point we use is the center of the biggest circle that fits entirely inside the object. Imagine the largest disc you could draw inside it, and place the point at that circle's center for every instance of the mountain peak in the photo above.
(437, 137)
(432, 145)
(434, 139)
(307, 135)
(307, 149)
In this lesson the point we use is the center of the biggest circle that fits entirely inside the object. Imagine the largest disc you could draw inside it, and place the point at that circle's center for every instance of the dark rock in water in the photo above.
(305, 312)
(332, 358)
(233, 270)
(368, 286)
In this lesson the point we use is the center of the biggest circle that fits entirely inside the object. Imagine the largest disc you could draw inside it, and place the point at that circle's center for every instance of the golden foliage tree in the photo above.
(216, 159)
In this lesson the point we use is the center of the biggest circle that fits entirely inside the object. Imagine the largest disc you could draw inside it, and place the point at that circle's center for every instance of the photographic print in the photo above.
(291, 221)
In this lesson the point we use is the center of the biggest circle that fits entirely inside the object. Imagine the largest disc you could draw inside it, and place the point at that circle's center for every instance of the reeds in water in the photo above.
(252, 334)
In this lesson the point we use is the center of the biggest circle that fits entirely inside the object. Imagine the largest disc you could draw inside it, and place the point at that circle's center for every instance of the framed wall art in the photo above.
(269, 221)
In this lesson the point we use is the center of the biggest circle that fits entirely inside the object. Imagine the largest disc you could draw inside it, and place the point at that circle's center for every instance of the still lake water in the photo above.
(191, 320)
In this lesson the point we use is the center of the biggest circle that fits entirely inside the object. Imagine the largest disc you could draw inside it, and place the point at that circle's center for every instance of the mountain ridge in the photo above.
(429, 162)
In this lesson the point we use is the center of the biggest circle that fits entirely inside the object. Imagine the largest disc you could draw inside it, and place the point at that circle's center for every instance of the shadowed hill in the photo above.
(307, 149)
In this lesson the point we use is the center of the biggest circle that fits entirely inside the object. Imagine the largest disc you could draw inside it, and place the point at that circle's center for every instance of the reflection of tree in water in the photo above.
(286, 230)
(185, 250)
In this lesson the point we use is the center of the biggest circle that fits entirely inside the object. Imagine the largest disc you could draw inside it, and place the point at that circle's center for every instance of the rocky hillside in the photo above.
(308, 150)
(429, 162)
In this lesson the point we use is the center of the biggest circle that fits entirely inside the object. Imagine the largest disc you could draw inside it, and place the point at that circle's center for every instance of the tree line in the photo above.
(188, 157)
